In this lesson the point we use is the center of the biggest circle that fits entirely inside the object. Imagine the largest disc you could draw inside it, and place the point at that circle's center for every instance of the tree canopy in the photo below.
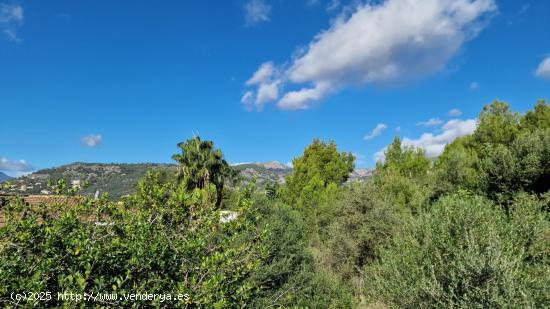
(201, 164)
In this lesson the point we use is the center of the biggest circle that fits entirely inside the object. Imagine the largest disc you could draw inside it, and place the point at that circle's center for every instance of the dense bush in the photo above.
(365, 220)
(507, 153)
(465, 252)
(105, 247)
(288, 275)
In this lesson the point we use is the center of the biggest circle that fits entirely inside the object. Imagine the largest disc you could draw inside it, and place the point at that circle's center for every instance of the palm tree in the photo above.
(201, 164)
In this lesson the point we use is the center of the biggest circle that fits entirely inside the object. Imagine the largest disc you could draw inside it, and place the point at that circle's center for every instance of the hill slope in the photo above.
(4, 177)
(119, 179)
(115, 178)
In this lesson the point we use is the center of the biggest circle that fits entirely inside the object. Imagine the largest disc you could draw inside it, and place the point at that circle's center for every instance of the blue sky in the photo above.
(125, 81)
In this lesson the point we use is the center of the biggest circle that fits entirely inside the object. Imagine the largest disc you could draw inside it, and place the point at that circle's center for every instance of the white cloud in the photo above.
(455, 112)
(248, 100)
(474, 86)
(267, 83)
(92, 140)
(264, 73)
(15, 168)
(432, 144)
(543, 71)
(305, 97)
(256, 11)
(376, 131)
(432, 122)
(382, 44)
(239, 163)
(380, 155)
(11, 17)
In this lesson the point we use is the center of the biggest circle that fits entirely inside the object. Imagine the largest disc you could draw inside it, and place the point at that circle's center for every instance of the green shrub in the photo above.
(180, 248)
(464, 252)
(366, 219)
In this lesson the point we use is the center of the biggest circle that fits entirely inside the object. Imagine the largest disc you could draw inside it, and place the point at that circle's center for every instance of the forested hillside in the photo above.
(120, 179)
(470, 229)
(117, 179)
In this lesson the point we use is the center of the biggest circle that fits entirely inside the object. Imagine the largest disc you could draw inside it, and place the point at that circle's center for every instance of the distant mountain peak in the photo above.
(276, 165)
(273, 165)
(4, 177)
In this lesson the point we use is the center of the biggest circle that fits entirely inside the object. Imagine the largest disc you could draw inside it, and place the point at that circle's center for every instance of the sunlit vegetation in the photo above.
(470, 229)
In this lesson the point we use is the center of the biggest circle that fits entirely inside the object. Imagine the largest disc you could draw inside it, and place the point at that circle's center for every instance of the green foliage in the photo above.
(367, 217)
(407, 161)
(178, 248)
(497, 124)
(118, 179)
(323, 160)
(315, 287)
(164, 239)
(320, 166)
(286, 243)
(464, 252)
(505, 155)
(524, 165)
(60, 187)
(315, 184)
(201, 164)
(5, 185)
(271, 190)
(402, 191)
(538, 118)
(457, 167)
(153, 191)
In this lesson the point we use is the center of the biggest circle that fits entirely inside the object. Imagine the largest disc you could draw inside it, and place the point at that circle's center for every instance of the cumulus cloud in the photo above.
(248, 100)
(267, 82)
(15, 168)
(474, 86)
(455, 112)
(256, 11)
(263, 74)
(380, 155)
(434, 144)
(92, 140)
(380, 44)
(301, 99)
(543, 70)
(11, 17)
(432, 122)
(376, 131)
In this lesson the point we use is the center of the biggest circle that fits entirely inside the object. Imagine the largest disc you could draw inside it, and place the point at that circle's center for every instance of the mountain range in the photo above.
(119, 179)
(4, 177)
